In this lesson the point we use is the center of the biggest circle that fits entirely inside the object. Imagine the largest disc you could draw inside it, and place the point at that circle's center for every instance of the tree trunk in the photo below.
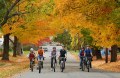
(114, 53)
(19, 46)
(98, 54)
(79, 47)
(106, 55)
(5, 55)
(15, 46)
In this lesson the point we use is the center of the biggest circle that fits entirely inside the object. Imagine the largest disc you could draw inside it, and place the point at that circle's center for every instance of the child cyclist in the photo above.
(32, 56)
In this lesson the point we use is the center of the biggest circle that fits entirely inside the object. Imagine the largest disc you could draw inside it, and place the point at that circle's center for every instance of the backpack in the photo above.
(82, 53)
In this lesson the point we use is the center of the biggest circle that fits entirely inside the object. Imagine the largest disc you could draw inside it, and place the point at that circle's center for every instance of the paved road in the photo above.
(72, 71)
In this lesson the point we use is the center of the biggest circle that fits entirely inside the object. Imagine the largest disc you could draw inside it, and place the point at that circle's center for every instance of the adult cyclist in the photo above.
(88, 54)
(63, 53)
(53, 53)
(40, 54)
(81, 55)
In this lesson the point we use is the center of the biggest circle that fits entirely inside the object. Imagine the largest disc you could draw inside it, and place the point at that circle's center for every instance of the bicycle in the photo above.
(88, 63)
(62, 63)
(54, 62)
(40, 64)
(32, 64)
(83, 63)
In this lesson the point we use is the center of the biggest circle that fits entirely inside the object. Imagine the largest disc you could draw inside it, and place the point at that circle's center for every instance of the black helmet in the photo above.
(54, 47)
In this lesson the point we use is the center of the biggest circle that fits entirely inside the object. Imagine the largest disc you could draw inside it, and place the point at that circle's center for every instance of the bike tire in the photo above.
(54, 66)
(42, 64)
(62, 67)
(83, 67)
(31, 66)
(88, 66)
(39, 69)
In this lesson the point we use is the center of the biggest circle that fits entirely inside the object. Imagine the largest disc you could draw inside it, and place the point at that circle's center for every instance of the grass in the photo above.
(73, 52)
(14, 66)
(2, 64)
(26, 52)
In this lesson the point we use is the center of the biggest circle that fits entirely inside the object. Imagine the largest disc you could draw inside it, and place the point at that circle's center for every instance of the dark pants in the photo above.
(81, 60)
(52, 61)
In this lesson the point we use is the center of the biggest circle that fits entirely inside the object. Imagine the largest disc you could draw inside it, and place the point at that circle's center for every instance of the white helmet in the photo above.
(31, 49)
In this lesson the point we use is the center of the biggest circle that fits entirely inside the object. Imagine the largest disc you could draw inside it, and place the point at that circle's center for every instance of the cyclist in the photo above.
(40, 54)
(88, 54)
(32, 50)
(63, 53)
(31, 56)
(53, 53)
(81, 55)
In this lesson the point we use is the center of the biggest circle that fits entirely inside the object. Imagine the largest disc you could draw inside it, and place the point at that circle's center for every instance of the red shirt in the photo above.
(31, 56)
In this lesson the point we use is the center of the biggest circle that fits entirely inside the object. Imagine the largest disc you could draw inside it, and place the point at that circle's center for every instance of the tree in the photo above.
(96, 15)
(64, 38)
(114, 49)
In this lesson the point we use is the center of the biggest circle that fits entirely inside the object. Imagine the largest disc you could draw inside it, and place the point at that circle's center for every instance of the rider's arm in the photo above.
(43, 52)
(66, 53)
(50, 53)
(84, 52)
(91, 52)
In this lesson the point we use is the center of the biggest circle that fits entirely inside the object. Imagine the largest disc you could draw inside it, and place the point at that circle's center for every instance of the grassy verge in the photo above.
(14, 66)
(100, 64)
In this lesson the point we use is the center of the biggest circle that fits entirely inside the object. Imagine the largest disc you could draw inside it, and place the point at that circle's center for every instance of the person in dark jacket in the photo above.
(81, 55)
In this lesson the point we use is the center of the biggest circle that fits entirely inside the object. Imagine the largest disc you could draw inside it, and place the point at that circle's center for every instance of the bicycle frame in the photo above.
(88, 61)
(54, 61)
(31, 64)
(83, 63)
(62, 63)
(40, 63)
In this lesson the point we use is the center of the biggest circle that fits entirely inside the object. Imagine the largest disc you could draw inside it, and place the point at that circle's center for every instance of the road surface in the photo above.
(71, 71)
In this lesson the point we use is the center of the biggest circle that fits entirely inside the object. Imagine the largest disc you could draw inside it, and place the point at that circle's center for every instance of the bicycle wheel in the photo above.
(54, 66)
(31, 66)
(40, 67)
(42, 64)
(62, 67)
(88, 66)
(83, 66)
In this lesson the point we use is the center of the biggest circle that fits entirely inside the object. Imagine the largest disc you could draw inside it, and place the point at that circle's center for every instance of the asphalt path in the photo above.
(71, 71)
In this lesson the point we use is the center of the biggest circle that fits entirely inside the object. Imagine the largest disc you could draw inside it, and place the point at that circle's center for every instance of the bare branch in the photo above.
(11, 41)
(17, 13)
(5, 19)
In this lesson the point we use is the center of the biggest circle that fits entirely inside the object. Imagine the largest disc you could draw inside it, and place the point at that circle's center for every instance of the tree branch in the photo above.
(11, 41)
(17, 13)
(8, 12)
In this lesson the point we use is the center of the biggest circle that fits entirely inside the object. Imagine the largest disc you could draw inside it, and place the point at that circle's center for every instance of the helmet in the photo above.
(31, 49)
(40, 47)
(54, 47)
